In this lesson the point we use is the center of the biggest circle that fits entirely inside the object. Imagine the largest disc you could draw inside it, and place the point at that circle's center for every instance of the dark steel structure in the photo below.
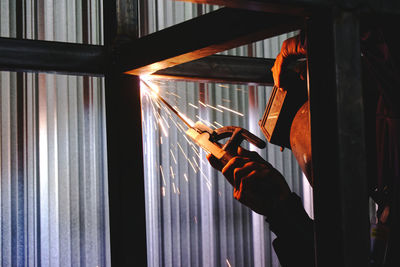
(332, 28)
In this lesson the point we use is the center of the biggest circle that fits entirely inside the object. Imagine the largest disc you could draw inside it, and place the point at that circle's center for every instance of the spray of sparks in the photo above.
(165, 118)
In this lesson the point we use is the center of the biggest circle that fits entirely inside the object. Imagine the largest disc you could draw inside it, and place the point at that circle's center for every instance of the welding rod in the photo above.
(168, 105)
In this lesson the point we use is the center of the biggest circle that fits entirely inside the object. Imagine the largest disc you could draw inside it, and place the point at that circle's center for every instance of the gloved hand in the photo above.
(257, 184)
(291, 48)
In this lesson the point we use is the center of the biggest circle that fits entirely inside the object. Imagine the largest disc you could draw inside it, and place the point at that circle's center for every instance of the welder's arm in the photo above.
(257, 184)
(294, 244)
(262, 188)
(292, 48)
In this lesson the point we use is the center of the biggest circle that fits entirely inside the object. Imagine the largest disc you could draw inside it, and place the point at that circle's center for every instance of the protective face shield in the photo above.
(286, 122)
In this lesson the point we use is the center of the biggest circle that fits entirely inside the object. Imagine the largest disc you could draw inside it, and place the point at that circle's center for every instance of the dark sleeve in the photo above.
(294, 244)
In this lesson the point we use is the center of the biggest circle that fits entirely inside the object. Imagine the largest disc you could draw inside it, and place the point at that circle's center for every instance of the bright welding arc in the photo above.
(177, 113)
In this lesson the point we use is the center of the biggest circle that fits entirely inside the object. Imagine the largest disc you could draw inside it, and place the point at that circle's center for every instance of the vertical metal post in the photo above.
(338, 143)
(124, 142)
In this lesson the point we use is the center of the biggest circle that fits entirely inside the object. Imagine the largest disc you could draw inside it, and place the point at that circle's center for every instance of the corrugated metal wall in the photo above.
(54, 209)
(192, 218)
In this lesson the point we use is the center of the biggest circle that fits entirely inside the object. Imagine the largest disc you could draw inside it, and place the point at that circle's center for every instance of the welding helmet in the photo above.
(286, 122)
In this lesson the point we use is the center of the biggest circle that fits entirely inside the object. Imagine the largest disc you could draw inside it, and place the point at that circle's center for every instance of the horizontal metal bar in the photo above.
(223, 69)
(288, 7)
(46, 56)
(200, 37)
(305, 7)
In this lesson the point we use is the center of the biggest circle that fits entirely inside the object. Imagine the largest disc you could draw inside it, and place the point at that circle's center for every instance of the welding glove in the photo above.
(292, 48)
(257, 184)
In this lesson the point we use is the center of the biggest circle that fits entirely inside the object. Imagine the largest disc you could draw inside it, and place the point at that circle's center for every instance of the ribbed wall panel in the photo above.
(53, 184)
(54, 209)
(192, 217)
(73, 21)
(8, 18)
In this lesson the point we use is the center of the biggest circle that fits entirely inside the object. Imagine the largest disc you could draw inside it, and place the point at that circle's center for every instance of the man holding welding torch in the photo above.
(258, 185)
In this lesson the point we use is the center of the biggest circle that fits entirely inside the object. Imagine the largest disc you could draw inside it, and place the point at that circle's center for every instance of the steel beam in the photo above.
(223, 69)
(200, 37)
(46, 56)
(338, 143)
(305, 7)
(124, 142)
(298, 8)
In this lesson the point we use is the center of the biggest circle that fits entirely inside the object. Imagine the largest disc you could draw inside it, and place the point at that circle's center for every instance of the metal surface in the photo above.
(224, 69)
(338, 147)
(200, 37)
(46, 56)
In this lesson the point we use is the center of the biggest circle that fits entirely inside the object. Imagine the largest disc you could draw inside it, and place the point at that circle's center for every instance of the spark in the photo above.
(227, 262)
(208, 182)
(161, 140)
(162, 175)
(172, 172)
(156, 90)
(181, 127)
(202, 120)
(189, 121)
(223, 85)
(217, 109)
(170, 93)
(184, 154)
(173, 157)
(187, 140)
(201, 103)
(190, 104)
(195, 148)
(163, 191)
(147, 82)
(175, 124)
(166, 110)
(186, 178)
(194, 160)
(231, 110)
(191, 164)
(173, 185)
(163, 127)
(165, 122)
(195, 152)
(219, 125)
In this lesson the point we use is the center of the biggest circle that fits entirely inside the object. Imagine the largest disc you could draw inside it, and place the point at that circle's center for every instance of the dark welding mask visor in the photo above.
(280, 111)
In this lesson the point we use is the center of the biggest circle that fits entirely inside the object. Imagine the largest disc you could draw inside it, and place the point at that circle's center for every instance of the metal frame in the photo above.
(340, 197)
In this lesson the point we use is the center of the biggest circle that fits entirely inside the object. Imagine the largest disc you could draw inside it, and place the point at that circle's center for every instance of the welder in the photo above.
(262, 188)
